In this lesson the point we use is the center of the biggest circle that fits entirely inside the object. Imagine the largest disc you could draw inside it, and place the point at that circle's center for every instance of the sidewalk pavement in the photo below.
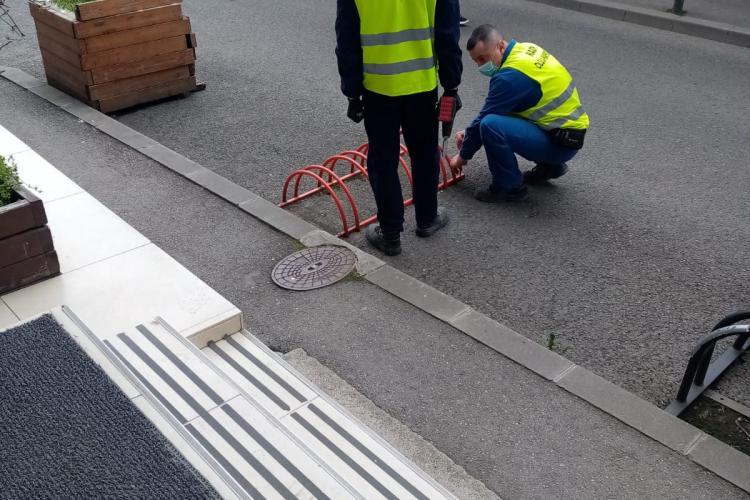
(725, 21)
(732, 12)
(522, 435)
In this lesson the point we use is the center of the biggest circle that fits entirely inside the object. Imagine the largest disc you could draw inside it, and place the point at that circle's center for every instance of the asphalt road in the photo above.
(627, 260)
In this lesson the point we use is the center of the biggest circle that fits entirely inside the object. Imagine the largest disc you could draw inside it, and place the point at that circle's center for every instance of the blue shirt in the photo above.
(510, 92)
(349, 47)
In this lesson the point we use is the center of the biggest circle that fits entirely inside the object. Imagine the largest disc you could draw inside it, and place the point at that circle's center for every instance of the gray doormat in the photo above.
(67, 431)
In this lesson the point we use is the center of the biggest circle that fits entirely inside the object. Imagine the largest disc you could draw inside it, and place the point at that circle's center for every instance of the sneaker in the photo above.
(388, 243)
(494, 195)
(543, 172)
(463, 21)
(438, 223)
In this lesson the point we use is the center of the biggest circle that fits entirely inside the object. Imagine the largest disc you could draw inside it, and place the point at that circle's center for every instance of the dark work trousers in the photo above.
(417, 116)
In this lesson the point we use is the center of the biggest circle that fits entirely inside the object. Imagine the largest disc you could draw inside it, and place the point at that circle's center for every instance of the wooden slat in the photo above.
(60, 66)
(51, 19)
(137, 35)
(192, 41)
(121, 22)
(133, 53)
(117, 87)
(104, 8)
(55, 48)
(29, 271)
(151, 65)
(60, 38)
(74, 90)
(122, 101)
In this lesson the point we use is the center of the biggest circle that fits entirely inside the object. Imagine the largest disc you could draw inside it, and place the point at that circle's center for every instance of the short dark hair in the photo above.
(481, 33)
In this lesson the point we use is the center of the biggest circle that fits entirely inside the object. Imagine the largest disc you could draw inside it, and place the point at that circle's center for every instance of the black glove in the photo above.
(453, 93)
(356, 111)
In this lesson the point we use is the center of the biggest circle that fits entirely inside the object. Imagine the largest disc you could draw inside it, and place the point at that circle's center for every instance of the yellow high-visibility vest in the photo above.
(560, 106)
(398, 46)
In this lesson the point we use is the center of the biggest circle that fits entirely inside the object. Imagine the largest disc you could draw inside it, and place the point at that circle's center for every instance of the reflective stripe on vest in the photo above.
(397, 40)
(559, 106)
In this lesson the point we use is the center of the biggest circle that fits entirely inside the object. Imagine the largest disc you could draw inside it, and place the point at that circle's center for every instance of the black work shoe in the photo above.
(438, 223)
(463, 21)
(543, 172)
(388, 243)
(493, 195)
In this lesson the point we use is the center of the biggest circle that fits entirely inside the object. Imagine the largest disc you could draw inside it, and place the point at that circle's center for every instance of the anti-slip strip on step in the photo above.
(365, 451)
(143, 380)
(280, 458)
(180, 364)
(249, 377)
(257, 373)
(348, 461)
(234, 343)
(261, 470)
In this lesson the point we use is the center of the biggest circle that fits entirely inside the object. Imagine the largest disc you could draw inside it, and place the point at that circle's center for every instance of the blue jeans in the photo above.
(505, 136)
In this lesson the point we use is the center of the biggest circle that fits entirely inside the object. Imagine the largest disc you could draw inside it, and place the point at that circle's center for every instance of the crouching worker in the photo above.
(532, 109)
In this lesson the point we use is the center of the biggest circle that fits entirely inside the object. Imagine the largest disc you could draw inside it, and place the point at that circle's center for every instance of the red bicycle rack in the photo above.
(356, 159)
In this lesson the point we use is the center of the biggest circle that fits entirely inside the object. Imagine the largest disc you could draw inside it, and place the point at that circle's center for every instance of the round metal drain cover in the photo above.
(314, 267)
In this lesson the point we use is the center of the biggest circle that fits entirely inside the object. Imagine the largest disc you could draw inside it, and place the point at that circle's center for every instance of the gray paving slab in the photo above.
(170, 159)
(740, 36)
(415, 292)
(705, 29)
(709, 452)
(220, 186)
(269, 213)
(520, 435)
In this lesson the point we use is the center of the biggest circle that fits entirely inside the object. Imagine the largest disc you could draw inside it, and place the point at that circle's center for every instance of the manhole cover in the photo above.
(314, 267)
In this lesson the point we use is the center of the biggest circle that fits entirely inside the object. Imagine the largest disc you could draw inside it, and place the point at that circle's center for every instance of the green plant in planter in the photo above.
(69, 4)
(8, 179)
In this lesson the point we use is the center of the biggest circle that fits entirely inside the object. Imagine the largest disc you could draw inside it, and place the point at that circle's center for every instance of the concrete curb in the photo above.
(717, 457)
(712, 30)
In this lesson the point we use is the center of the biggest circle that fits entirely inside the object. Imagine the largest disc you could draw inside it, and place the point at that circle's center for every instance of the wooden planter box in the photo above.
(114, 54)
(27, 254)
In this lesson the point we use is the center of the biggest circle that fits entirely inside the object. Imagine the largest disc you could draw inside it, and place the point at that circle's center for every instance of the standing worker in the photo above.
(390, 54)
(532, 109)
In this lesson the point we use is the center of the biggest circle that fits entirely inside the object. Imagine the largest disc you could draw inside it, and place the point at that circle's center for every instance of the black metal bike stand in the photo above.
(701, 372)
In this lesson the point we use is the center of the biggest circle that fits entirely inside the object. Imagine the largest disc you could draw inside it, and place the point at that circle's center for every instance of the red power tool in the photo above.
(448, 107)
